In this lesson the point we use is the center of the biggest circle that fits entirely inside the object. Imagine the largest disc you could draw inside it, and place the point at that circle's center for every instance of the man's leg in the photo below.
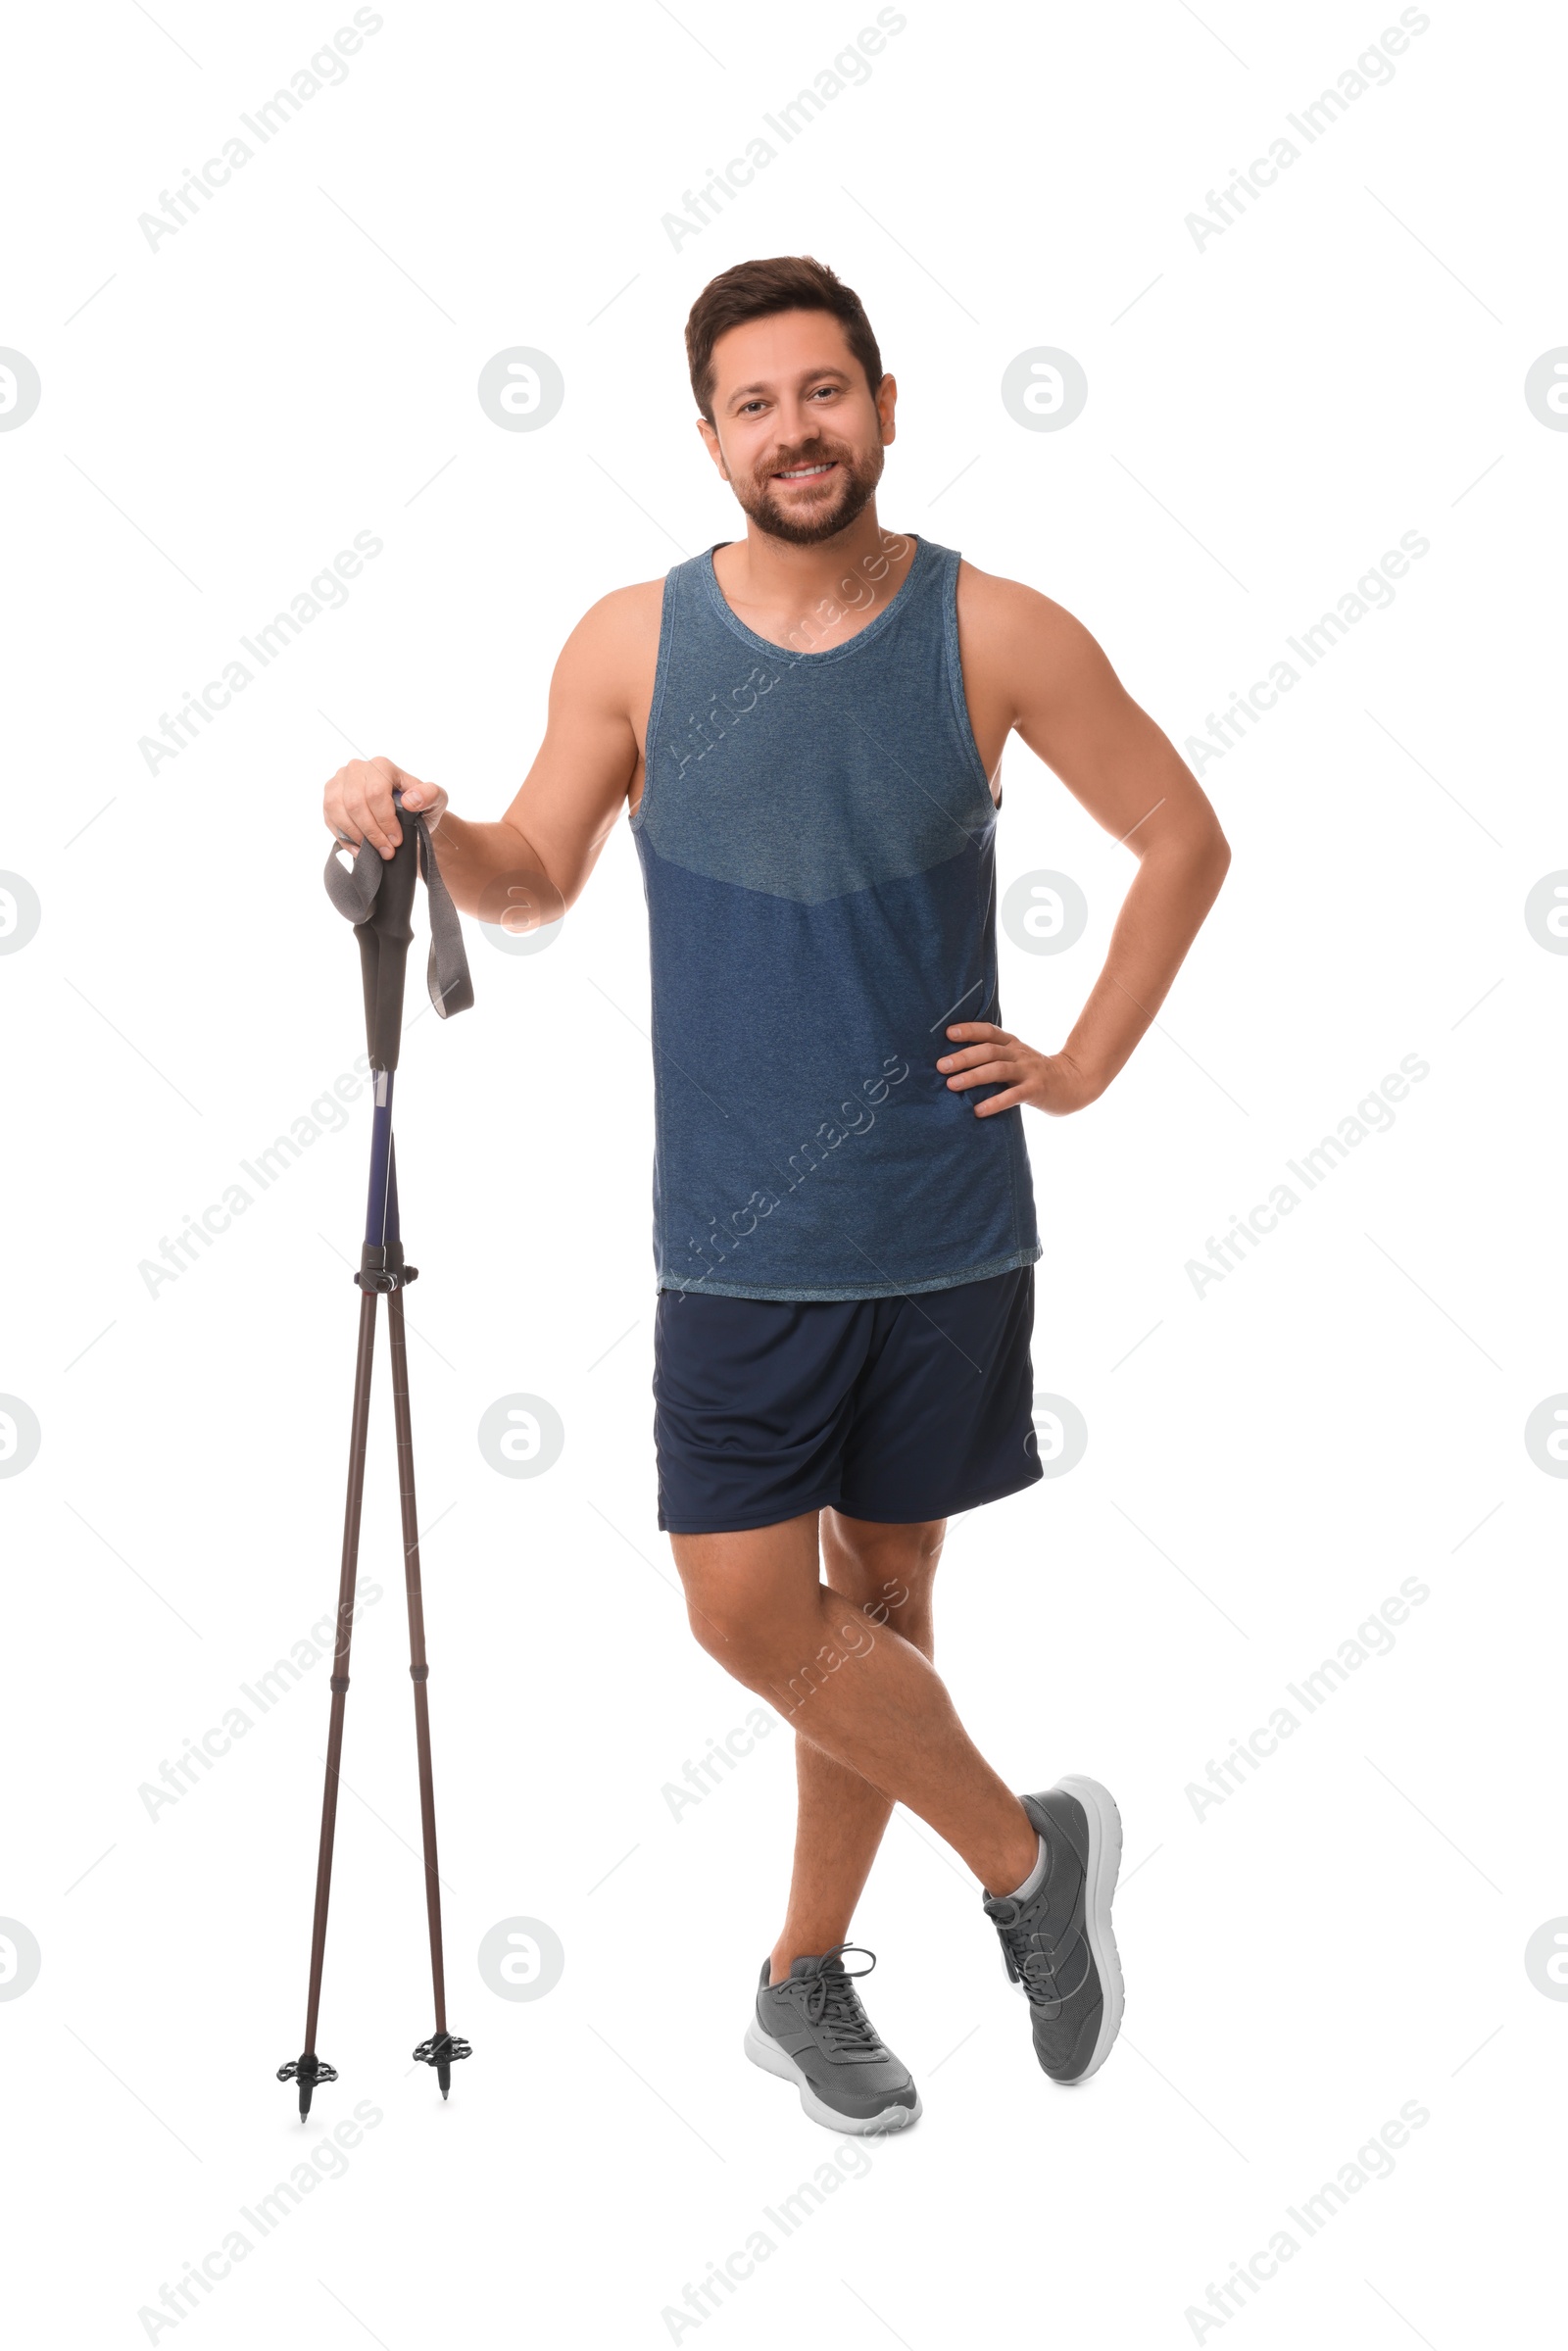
(888, 1572)
(862, 1692)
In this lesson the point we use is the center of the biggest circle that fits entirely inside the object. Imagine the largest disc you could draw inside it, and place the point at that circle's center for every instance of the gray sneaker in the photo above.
(1057, 1944)
(812, 2030)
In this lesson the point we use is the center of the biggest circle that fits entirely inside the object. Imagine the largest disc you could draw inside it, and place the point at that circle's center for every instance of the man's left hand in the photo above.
(987, 1056)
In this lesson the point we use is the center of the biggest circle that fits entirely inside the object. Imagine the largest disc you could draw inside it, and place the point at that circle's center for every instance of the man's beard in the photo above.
(855, 486)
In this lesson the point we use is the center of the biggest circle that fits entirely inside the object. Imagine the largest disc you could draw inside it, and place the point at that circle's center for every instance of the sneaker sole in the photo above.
(765, 2052)
(1101, 1873)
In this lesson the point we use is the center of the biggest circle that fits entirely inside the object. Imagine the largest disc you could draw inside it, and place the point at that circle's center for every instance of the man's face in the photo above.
(795, 431)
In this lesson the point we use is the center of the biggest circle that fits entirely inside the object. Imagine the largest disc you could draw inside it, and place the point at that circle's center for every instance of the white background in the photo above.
(1266, 1463)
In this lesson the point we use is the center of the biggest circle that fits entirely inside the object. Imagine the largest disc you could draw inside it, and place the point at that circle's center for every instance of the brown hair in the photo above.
(761, 289)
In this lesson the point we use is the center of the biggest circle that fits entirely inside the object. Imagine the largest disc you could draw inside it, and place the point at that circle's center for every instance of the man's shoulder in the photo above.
(1010, 632)
(993, 602)
(1023, 650)
(625, 612)
(610, 653)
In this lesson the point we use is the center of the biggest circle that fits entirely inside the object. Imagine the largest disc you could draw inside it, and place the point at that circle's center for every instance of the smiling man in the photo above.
(806, 727)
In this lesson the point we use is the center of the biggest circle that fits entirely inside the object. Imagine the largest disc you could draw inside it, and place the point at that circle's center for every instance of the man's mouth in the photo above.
(812, 472)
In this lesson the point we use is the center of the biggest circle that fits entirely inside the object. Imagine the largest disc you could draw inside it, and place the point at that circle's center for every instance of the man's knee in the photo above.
(788, 1654)
(887, 1569)
(748, 1641)
(717, 1624)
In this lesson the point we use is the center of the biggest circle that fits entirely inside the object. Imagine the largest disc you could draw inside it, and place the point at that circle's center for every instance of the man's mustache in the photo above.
(821, 455)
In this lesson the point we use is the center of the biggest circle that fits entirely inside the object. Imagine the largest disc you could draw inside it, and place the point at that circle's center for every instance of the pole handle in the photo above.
(377, 894)
(385, 935)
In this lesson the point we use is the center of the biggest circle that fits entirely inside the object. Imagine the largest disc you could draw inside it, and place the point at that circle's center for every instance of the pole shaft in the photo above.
(359, 1427)
(417, 1666)
(380, 1207)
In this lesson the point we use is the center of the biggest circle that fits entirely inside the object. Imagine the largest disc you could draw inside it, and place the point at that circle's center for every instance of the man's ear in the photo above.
(710, 444)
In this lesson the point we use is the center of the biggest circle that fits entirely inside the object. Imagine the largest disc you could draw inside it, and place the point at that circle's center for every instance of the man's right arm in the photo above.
(533, 863)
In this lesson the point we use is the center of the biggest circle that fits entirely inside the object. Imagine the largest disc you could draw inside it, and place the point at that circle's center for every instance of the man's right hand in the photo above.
(357, 805)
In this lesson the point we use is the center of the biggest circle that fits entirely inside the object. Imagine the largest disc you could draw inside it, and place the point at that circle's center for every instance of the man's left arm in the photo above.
(1031, 667)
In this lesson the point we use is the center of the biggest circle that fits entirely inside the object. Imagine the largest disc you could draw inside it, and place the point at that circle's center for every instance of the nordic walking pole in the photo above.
(378, 895)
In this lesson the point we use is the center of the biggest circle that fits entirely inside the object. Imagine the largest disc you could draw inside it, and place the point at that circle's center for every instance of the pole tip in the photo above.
(306, 2071)
(442, 2050)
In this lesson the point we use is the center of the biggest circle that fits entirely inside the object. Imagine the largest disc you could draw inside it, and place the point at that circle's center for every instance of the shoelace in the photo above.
(1031, 1955)
(833, 2002)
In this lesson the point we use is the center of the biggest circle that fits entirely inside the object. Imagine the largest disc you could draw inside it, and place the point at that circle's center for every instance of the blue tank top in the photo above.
(818, 842)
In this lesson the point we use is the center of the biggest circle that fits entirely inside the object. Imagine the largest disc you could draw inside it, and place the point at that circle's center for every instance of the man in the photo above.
(807, 727)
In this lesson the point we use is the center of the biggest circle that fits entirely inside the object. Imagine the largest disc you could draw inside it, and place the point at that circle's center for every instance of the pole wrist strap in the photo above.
(353, 891)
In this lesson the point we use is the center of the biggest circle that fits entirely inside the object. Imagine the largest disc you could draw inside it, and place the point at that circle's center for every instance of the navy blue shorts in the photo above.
(889, 1409)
